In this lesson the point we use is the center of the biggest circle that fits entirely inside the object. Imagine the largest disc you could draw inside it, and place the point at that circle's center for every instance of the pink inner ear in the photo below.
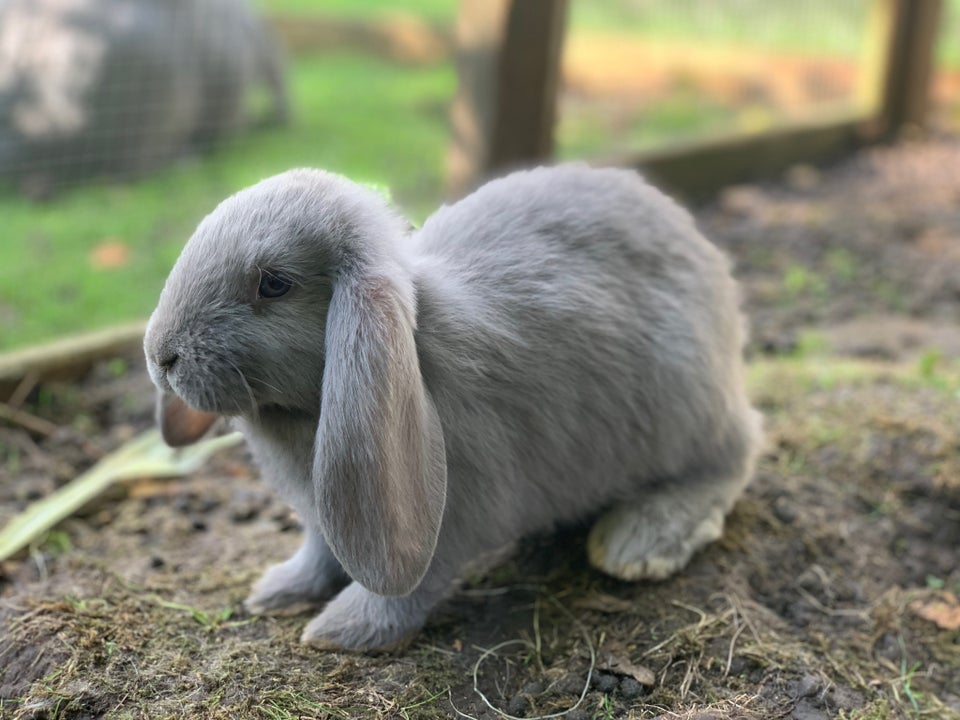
(180, 424)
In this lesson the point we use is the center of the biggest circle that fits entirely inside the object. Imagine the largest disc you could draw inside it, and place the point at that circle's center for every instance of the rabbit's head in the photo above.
(292, 296)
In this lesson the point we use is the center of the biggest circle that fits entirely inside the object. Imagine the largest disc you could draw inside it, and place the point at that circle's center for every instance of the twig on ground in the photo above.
(27, 421)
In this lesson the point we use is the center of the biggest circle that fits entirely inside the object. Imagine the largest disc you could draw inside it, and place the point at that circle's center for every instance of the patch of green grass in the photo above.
(290, 705)
(586, 132)
(56, 543)
(368, 119)
(209, 621)
(935, 583)
(438, 11)
(906, 678)
(877, 710)
(810, 343)
(928, 363)
(815, 26)
(800, 281)
(841, 264)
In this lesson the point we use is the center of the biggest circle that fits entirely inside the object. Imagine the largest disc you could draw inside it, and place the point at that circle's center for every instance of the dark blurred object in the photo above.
(122, 87)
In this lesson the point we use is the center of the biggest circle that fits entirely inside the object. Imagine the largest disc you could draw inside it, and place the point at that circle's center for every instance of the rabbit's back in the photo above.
(594, 331)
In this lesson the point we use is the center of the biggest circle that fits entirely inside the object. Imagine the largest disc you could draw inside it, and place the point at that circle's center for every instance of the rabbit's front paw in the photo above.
(310, 577)
(360, 620)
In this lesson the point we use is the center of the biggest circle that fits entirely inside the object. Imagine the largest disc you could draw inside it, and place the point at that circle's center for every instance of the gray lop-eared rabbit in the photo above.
(559, 345)
(121, 87)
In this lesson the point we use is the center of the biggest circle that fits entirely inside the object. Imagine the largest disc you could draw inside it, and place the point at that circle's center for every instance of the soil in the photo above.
(833, 592)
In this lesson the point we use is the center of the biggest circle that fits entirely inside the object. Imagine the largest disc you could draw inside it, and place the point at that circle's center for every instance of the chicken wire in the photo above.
(120, 88)
(644, 73)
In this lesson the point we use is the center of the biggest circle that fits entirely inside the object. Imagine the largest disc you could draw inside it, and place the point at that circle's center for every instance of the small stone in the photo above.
(784, 510)
(604, 682)
(571, 684)
(287, 521)
(532, 689)
(808, 685)
(518, 706)
(630, 688)
(208, 505)
(738, 665)
(245, 506)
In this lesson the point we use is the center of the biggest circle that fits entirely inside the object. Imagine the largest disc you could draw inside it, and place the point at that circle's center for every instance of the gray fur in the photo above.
(559, 344)
(120, 87)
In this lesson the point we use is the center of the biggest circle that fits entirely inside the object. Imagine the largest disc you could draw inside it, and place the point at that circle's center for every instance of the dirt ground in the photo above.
(832, 594)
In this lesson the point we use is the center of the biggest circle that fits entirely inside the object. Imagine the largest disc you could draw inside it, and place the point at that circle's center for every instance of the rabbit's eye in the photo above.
(272, 285)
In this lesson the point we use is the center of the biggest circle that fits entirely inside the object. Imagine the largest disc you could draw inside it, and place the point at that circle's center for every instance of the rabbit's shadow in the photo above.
(544, 572)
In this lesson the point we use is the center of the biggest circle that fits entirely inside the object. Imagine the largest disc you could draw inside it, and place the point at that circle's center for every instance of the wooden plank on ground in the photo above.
(508, 65)
(697, 169)
(68, 356)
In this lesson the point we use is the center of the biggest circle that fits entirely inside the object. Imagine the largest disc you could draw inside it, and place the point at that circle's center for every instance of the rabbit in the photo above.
(121, 87)
(559, 346)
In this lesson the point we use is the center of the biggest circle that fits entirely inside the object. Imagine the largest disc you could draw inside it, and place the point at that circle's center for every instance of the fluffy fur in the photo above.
(561, 344)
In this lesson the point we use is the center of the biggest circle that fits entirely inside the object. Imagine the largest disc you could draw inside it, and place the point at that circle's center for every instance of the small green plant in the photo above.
(935, 583)
(605, 711)
(809, 343)
(118, 367)
(57, 543)
(841, 264)
(877, 710)
(800, 281)
(210, 621)
(405, 710)
(928, 364)
(906, 677)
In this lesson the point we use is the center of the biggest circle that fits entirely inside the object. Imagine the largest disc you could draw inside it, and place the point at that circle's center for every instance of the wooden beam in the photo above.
(508, 65)
(699, 168)
(68, 357)
(902, 51)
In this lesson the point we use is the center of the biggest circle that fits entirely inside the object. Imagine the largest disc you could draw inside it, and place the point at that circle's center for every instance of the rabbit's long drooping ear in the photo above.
(179, 423)
(380, 468)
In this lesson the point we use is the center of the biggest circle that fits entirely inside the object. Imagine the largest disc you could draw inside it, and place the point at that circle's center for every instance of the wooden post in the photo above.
(508, 64)
(902, 48)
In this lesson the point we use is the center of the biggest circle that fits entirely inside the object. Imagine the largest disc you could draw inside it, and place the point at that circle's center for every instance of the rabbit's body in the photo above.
(578, 345)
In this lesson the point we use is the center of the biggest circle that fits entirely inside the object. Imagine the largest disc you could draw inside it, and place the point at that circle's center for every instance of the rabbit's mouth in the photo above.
(210, 392)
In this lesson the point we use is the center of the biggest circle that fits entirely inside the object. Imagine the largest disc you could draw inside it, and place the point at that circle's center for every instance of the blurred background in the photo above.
(123, 122)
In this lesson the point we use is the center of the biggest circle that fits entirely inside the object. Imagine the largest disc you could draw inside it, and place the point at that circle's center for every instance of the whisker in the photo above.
(253, 402)
(267, 385)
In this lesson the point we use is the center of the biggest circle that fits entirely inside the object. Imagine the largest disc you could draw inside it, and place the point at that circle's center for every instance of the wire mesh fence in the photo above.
(133, 118)
(122, 87)
(640, 73)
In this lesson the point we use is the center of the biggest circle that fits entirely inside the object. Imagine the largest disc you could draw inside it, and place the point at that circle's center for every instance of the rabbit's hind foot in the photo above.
(654, 538)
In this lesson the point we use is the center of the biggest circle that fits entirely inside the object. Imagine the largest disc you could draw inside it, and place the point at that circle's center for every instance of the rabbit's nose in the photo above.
(167, 358)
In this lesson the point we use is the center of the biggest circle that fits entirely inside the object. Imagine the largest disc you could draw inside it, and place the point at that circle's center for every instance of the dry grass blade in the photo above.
(534, 647)
(144, 456)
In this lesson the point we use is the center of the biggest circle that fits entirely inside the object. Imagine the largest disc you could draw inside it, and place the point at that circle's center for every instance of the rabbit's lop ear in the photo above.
(179, 423)
(380, 469)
